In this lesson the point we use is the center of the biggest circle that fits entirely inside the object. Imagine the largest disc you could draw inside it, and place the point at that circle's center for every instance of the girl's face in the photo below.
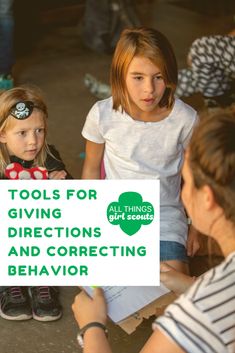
(145, 85)
(25, 138)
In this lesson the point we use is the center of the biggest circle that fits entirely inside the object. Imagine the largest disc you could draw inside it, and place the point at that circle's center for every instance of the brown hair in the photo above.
(148, 43)
(212, 159)
(7, 100)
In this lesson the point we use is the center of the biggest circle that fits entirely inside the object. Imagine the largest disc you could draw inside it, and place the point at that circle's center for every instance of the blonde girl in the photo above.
(141, 132)
(27, 103)
(23, 130)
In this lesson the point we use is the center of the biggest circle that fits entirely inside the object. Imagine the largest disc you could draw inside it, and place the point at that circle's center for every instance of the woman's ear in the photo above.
(208, 197)
(2, 137)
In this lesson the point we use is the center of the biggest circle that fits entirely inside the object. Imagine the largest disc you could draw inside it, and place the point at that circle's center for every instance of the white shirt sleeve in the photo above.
(187, 133)
(91, 129)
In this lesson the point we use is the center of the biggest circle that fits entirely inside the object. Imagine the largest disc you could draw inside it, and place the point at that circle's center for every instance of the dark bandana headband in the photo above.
(22, 110)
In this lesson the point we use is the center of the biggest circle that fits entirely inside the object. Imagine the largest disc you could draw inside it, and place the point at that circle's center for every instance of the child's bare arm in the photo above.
(174, 280)
(93, 159)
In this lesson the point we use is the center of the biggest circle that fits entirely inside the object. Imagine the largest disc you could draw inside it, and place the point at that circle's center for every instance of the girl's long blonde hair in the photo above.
(7, 100)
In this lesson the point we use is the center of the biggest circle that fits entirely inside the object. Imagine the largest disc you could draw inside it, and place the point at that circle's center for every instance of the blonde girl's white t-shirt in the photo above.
(146, 150)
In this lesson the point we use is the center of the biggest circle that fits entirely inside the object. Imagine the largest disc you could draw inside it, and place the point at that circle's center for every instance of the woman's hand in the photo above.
(57, 174)
(87, 309)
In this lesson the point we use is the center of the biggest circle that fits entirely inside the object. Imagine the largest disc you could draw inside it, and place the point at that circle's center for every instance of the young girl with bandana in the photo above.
(25, 154)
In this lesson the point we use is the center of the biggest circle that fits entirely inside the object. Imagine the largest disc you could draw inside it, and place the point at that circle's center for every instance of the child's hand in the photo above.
(87, 309)
(193, 244)
(57, 174)
(176, 281)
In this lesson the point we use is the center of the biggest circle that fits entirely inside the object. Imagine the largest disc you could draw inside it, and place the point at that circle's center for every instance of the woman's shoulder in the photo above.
(213, 39)
(213, 280)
